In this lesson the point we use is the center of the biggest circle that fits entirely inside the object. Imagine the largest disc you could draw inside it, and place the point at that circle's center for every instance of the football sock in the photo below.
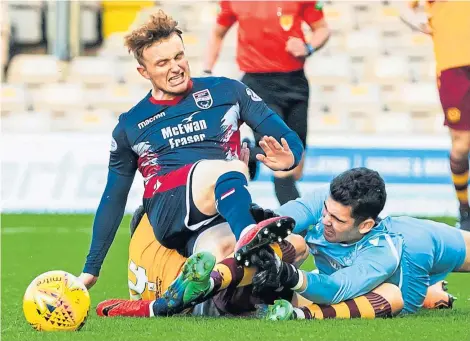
(459, 169)
(369, 306)
(285, 189)
(228, 273)
(241, 300)
(233, 201)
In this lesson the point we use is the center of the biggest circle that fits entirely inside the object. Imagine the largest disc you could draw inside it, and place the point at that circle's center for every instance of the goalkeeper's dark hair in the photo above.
(361, 188)
(159, 26)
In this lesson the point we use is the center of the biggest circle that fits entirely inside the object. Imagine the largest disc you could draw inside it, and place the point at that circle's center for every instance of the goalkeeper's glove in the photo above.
(273, 273)
(260, 214)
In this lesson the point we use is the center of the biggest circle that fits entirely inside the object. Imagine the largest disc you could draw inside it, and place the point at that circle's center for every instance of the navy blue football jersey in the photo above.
(162, 139)
(158, 137)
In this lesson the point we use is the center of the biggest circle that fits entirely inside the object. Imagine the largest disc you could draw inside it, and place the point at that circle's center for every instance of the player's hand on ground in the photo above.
(278, 157)
(296, 47)
(245, 153)
(88, 279)
(260, 214)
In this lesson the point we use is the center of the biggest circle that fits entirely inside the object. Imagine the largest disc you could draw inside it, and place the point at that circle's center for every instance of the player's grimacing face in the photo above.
(339, 225)
(166, 65)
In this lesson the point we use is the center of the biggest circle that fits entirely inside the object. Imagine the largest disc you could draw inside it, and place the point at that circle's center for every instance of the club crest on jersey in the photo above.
(203, 99)
(252, 95)
(113, 145)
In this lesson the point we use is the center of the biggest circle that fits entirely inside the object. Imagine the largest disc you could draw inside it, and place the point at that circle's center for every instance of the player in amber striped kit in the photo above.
(448, 22)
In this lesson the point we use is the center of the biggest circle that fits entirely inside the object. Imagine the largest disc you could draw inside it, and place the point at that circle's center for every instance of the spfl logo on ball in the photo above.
(203, 99)
(252, 95)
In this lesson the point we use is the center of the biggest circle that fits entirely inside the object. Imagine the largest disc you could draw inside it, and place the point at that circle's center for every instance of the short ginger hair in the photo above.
(159, 26)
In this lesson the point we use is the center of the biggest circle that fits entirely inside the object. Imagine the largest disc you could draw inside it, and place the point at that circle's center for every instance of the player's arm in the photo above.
(372, 267)
(225, 19)
(256, 114)
(122, 167)
(306, 210)
(312, 14)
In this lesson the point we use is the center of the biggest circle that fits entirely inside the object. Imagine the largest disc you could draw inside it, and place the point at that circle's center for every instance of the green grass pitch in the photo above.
(33, 244)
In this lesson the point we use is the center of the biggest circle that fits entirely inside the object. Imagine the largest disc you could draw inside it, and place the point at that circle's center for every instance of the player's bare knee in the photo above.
(300, 246)
(460, 144)
(226, 247)
(459, 151)
(223, 248)
(218, 240)
(393, 296)
(238, 166)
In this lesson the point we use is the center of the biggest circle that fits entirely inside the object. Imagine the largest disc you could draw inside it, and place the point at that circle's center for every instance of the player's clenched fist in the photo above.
(278, 157)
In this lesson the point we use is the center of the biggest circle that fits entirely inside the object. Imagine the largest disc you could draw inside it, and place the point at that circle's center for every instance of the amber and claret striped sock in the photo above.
(229, 273)
(369, 306)
(459, 169)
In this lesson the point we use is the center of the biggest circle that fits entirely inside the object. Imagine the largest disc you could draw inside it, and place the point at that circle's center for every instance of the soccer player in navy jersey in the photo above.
(183, 137)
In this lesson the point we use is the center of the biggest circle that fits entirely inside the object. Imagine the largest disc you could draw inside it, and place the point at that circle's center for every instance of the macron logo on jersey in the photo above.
(145, 123)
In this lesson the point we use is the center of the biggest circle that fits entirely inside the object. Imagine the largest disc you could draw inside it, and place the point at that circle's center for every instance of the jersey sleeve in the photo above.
(259, 117)
(306, 210)
(372, 267)
(122, 167)
(122, 159)
(311, 12)
(226, 16)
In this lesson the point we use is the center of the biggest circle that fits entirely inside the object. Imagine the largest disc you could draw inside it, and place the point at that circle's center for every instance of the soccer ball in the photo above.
(56, 300)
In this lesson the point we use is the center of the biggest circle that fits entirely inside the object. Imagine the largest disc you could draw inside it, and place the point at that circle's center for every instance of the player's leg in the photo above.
(201, 278)
(221, 187)
(228, 273)
(151, 270)
(137, 271)
(454, 93)
(384, 301)
(459, 166)
(236, 299)
(296, 117)
(198, 279)
(437, 296)
(455, 255)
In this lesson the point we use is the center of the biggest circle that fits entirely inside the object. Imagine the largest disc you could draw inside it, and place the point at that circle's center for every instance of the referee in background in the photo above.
(271, 51)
